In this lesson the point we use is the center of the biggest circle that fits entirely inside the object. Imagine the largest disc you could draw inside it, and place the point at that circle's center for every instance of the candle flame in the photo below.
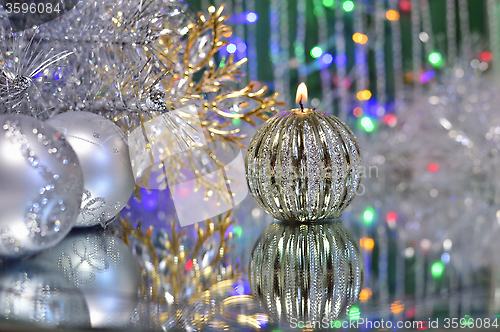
(301, 94)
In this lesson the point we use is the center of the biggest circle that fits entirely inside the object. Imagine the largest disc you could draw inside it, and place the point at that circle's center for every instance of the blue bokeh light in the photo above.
(231, 48)
(252, 17)
(340, 59)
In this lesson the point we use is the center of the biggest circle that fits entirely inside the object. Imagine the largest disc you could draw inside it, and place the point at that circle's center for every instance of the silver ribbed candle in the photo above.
(308, 272)
(303, 165)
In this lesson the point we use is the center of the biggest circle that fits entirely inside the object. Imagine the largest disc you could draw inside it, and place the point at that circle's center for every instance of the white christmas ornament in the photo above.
(104, 156)
(41, 186)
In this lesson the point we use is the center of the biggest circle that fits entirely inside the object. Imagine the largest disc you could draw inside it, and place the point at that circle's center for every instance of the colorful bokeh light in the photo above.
(436, 59)
(316, 52)
(367, 124)
(392, 15)
(231, 48)
(328, 3)
(437, 269)
(348, 6)
(252, 17)
(360, 38)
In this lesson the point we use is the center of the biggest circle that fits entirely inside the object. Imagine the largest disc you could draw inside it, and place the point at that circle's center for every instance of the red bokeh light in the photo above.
(392, 217)
(486, 56)
(390, 120)
(405, 5)
(433, 168)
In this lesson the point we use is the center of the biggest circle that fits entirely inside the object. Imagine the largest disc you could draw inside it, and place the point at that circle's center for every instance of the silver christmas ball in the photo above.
(41, 186)
(303, 165)
(42, 297)
(309, 272)
(103, 268)
(104, 157)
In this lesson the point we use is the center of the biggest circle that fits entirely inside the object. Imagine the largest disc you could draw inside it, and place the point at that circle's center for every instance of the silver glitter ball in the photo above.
(303, 165)
(41, 185)
(308, 272)
(42, 297)
(103, 268)
(104, 156)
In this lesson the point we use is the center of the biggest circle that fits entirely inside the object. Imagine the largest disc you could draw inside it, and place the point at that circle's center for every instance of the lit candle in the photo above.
(301, 96)
(303, 164)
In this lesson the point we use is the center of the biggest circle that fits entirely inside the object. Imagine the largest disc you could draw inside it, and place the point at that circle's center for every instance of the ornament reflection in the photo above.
(306, 272)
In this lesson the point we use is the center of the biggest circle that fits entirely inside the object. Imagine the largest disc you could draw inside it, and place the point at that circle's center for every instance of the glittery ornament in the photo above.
(103, 154)
(42, 297)
(103, 268)
(41, 185)
(303, 165)
(308, 272)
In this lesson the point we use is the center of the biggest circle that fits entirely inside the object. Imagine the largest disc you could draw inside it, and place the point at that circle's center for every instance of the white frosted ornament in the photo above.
(41, 185)
(103, 154)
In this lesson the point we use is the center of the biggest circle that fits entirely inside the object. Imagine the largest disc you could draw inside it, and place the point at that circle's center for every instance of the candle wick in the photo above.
(301, 105)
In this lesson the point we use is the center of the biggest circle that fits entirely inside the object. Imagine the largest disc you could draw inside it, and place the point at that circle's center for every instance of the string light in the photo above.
(328, 3)
(340, 59)
(316, 52)
(237, 231)
(189, 265)
(242, 47)
(445, 258)
(354, 313)
(486, 56)
(252, 17)
(392, 15)
(437, 269)
(360, 38)
(348, 6)
(365, 294)
(392, 217)
(367, 124)
(390, 120)
(433, 168)
(231, 48)
(369, 213)
(427, 76)
(405, 5)
(364, 95)
(436, 59)
(366, 243)
(326, 60)
(358, 111)
(397, 307)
